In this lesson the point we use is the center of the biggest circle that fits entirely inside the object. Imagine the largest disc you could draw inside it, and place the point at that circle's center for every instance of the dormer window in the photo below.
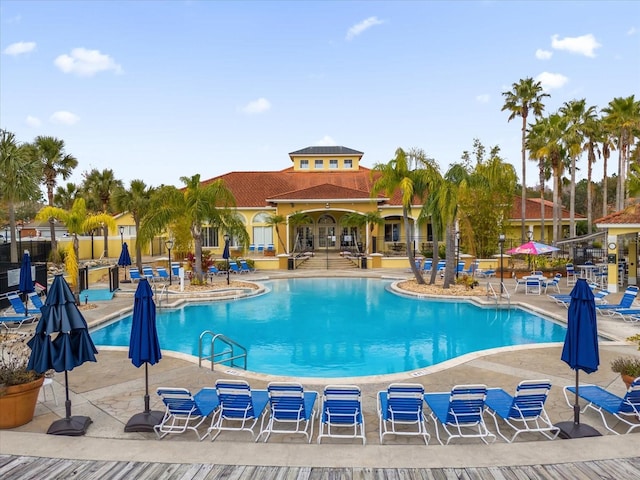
(304, 164)
(333, 164)
(348, 163)
(319, 164)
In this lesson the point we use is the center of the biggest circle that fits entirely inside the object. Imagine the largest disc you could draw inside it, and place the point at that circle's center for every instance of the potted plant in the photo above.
(628, 367)
(19, 387)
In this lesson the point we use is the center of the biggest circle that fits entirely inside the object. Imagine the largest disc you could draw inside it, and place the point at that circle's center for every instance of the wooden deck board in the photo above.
(22, 468)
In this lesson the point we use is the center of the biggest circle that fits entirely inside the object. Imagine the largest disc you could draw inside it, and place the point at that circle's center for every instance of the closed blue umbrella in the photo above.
(144, 347)
(26, 280)
(71, 347)
(580, 350)
(226, 255)
(125, 258)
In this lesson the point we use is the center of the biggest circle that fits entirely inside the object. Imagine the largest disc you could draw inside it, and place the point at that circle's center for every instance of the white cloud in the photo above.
(33, 121)
(325, 141)
(549, 80)
(257, 106)
(20, 48)
(64, 118)
(543, 54)
(86, 63)
(484, 98)
(632, 31)
(583, 45)
(358, 28)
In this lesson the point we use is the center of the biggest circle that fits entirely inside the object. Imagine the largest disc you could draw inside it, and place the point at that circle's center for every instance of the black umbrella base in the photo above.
(72, 426)
(125, 281)
(144, 422)
(573, 430)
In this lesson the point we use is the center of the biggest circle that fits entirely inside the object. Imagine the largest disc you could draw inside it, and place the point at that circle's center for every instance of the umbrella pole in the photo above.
(67, 402)
(70, 426)
(576, 405)
(146, 388)
(145, 421)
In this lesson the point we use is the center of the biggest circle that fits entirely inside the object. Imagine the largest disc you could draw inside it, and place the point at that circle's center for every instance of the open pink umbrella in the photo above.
(533, 248)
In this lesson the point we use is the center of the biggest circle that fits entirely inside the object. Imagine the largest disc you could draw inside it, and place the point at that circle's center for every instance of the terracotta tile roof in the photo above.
(324, 191)
(533, 210)
(629, 216)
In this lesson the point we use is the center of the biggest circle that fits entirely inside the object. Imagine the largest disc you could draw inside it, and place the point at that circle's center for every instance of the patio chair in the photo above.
(134, 275)
(163, 274)
(554, 283)
(460, 412)
(571, 274)
(234, 268)
(36, 301)
(290, 404)
(626, 301)
(245, 268)
(261, 248)
(624, 409)
(148, 273)
(185, 411)
(16, 305)
(400, 411)
(214, 271)
(240, 408)
(426, 266)
(252, 248)
(532, 286)
(342, 409)
(16, 321)
(523, 412)
(486, 273)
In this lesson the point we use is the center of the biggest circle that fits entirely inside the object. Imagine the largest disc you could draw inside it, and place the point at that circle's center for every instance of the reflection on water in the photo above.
(340, 327)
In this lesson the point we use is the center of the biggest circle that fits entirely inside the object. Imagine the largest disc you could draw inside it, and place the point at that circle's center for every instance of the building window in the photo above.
(210, 237)
(391, 232)
(319, 164)
(304, 164)
(262, 235)
(348, 163)
(333, 163)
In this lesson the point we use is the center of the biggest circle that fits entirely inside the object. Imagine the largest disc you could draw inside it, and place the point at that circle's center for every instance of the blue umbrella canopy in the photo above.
(72, 346)
(143, 344)
(580, 349)
(225, 253)
(125, 258)
(26, 280)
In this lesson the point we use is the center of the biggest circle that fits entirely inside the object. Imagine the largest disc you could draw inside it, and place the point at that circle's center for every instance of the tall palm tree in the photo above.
(577, 115)
(78, 221)
(608, 144)
(55, 163)
(65, 196)
(412, 183)
(622, 118)
(137, 201)
(195, 204)
(354, 219)
(275, 221)
(20, 176)
(526, 96)
(99, 187)
(297, 219)
(592, 131)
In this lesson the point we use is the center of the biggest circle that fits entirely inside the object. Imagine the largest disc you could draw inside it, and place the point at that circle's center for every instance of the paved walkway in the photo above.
(111, 391)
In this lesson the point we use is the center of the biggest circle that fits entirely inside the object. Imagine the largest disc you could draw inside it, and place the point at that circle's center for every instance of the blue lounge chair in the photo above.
(17, 306)
(245, 268)
(233, 268)
(252, 248)
(426, 267)
(36, 301)
(460, 412)
(342, 409)
(523, 412)
(185, 411)
(401, 406)
(486, 273)
(238, 404)
(290, 404)
(626, 301)
(163, 274)
(213, 271)
(148, 273)
(16, 321)
(261, 248)
(600, 400)
(134, 275)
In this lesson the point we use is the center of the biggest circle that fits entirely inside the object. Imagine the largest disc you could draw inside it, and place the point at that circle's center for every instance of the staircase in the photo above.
(319, 262)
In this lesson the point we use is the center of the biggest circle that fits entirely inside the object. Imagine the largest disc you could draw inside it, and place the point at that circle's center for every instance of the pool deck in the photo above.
(111, 391)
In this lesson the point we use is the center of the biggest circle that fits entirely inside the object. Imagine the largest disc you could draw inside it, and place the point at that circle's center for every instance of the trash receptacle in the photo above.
(363, 263)
(291, 264)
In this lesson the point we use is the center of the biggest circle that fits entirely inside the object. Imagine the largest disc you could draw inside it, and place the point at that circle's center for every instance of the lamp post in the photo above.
(226, 252)
(169, 244)
(530, 237)
(501, 239)
(121, 236)
(457, 252)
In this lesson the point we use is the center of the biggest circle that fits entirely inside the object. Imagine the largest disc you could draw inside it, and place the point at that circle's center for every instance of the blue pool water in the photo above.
(342, 327)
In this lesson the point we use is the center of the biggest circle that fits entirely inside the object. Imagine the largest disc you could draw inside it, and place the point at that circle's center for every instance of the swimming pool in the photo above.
(342, 327)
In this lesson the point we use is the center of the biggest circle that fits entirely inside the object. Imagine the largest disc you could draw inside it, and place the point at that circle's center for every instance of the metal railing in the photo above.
(229, 354)
(498, 296)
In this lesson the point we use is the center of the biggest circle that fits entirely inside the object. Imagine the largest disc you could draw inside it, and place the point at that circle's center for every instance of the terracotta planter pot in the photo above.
(627, 379)
(18, 403)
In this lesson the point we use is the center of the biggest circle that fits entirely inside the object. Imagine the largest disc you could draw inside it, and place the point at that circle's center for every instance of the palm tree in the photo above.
(137, 201)
(20, 176)
(526, 96)
(296, 219)
(608, 144)
(98, 188)
(593, 135)
(354, 219)
(412, 183)
(55, 163)
(78, 221)
(275, 221)
(622, 118)
(196, 204)
(65, 196)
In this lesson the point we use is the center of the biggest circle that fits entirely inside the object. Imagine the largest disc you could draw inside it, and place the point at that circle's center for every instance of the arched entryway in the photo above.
(326, 232)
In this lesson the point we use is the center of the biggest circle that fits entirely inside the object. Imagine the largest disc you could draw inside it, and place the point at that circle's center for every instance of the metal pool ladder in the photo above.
(231, 350)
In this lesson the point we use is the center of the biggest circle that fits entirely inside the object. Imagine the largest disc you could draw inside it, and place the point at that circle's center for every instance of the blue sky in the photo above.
(160, 90)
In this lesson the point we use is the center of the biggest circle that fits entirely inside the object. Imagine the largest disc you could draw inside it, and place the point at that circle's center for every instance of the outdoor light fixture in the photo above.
(169, 245)
(530, 235)
(501, 239)
(121, 235)
(226, 252)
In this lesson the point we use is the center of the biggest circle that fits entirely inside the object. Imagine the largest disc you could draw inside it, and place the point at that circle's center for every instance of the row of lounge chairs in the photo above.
(287, 408)
(625, 308)
(18, 314)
